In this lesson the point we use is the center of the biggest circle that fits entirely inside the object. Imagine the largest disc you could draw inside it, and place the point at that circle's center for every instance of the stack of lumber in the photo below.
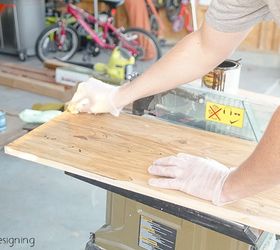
(37, 80)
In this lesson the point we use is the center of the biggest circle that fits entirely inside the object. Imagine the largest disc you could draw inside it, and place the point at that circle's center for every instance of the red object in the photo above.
(113, 12)
(85, 19)
(3, 7)
(179, 23)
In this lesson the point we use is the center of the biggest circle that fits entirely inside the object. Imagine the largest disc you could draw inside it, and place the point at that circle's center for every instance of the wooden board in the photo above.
(118, 151)
(57, 91)
(53, 64)
(43, 74)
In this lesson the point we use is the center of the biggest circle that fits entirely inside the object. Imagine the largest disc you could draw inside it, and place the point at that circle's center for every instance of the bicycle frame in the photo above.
(107, 26)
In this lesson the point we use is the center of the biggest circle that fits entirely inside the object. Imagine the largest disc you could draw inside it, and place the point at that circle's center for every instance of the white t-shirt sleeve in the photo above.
(236, 15)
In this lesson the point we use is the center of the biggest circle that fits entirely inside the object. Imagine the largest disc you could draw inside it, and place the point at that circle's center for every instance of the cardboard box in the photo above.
(72, 75)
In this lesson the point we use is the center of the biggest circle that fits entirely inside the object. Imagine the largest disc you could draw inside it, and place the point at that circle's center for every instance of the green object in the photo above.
(50, 20)
(133, 225)
(48, 106)
(120, 64)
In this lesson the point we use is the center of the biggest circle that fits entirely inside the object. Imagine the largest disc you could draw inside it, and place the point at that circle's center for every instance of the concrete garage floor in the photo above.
(58, 211)
(43, 203)
(260, 72)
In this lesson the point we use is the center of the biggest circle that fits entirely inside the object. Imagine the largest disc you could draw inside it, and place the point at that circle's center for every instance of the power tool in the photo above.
(120, 64)
(119, 67)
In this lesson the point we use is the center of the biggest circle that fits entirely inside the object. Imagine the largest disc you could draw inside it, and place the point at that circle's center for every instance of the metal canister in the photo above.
(3, 124)
(224, 78)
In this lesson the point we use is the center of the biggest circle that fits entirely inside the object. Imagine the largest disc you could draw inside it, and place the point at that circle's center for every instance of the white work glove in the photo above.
(94, 96)
(203, 178)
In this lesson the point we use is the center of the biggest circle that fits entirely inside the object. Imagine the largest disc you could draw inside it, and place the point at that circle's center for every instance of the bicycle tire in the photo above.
(142, 63)
(150, 36)
(75, 42)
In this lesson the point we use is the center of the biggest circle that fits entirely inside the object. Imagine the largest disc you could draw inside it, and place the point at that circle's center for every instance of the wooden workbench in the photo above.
(118, 151)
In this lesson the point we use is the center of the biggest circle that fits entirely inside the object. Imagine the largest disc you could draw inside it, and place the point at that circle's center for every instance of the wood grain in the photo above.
(41, 74)
(118, 151)
(57, 91)
(53, 64)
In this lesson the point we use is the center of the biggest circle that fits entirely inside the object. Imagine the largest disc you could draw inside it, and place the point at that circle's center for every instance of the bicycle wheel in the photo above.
(146, 46)
(52, 44)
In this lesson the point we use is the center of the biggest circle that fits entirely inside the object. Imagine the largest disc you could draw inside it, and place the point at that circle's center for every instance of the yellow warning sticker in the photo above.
(228, 115)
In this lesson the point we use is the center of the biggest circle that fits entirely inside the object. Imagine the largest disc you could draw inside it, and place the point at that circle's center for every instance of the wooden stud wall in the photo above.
(264, 37)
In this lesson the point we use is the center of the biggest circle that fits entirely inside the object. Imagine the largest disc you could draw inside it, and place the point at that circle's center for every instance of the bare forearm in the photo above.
(191, 58)
(261, 170)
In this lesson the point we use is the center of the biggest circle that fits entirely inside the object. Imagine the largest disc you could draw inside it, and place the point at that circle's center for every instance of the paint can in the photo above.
(224, 78)
(3, 124)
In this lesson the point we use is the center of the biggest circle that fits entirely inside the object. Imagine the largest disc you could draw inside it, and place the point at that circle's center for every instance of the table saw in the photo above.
(114, 153)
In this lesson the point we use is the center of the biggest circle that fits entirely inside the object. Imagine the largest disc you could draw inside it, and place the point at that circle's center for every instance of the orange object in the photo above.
(137, 14)
(5, 6)
(138, 17)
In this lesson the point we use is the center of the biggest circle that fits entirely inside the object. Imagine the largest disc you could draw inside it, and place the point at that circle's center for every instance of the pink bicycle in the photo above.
(61, 40)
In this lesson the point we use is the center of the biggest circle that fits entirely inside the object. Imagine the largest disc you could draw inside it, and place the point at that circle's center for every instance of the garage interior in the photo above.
(57, 210)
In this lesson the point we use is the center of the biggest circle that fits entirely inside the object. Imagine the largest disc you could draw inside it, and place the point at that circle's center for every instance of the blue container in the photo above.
(3, 124)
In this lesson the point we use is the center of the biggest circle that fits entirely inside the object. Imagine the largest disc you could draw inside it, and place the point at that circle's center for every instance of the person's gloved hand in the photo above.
(203, 178)
(94, 96)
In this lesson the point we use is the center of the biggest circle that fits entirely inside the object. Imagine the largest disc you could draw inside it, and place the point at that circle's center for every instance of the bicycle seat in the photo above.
(113, 3)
